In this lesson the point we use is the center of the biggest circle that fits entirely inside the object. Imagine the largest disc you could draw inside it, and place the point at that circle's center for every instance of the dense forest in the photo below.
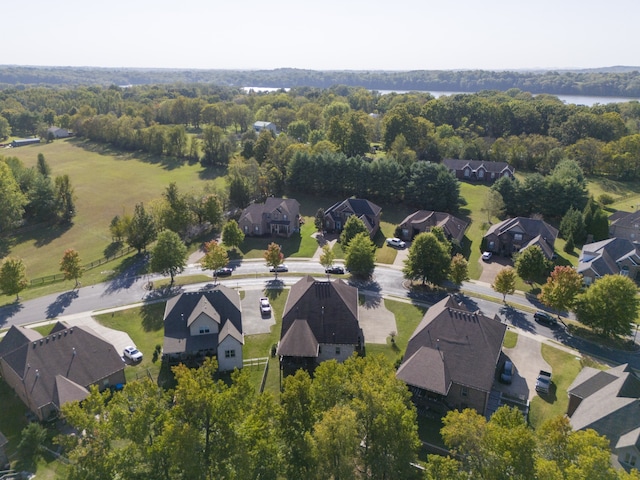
(614, 81)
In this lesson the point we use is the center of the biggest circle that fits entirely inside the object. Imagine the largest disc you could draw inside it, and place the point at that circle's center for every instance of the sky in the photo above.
(325, 35)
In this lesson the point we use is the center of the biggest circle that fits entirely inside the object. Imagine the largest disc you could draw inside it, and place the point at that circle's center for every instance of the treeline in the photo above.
(617, 81)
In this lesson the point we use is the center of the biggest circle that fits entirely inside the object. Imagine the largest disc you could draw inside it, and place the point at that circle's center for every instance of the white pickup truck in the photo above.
(543, 382)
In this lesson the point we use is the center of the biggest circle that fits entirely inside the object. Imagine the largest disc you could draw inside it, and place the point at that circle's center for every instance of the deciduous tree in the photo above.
(64, 198)
(531, 264)
(352, 227)
(11, 199)
(232, 235)
(429, 259)
(493, 205)
(360, 258)
(273, 256)
(141, 230)
(505, 282)
(70, 265)
(459, 269)
(327, 256)
(215, 257)
(169, 255)
(13, 277)
(561, 288)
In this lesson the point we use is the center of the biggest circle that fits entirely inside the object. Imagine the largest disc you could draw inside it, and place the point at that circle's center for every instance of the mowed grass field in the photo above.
(106, 183)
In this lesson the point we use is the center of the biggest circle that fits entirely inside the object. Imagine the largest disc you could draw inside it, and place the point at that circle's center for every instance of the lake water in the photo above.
(571, 99)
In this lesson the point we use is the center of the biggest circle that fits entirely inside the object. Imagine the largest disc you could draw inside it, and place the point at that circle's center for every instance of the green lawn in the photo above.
(474, 195)
(510, 339)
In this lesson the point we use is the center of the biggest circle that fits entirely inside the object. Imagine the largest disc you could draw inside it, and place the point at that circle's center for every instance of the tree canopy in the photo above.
(429, 259)
(169, 256)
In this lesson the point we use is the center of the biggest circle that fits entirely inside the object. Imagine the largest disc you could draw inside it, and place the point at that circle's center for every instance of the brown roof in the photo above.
(453, 226)
(330, 310)
(462, 346)
(497, 167)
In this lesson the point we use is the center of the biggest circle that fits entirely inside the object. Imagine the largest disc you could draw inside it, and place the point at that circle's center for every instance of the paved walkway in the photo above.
(322, 241)
(401, 256)
(376, 321)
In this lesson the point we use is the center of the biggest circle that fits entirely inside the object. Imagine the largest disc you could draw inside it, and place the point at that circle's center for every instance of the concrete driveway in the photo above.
(492, 267)
(253, 321)
(401, 256)
(527, 358)
(375, 320)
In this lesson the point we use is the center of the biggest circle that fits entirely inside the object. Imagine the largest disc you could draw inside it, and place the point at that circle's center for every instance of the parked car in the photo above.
(265, 306)
(280, 268)
(545, 319)
(223, 272)
(334, 269)
(543, 382)
(508, 370)
(132, 353)
(486, 256)
(396, 242)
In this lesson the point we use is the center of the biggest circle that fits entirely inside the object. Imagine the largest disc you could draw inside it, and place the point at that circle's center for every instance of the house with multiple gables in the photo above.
(516, 234)
(204, 324)
(320, 322)
(614, 256)
(478, 170)
(48, 371)
(424, 220)
(452, 357)
(337, 214)
(57, 132)
(609, 402)
(625, 225)
(276, 216)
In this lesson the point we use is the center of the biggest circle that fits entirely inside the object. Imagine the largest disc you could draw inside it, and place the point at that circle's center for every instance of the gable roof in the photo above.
(603, 257)
(452, 226)
(253, 213)
(329, 310)
(496, 167)
(299, 341)
(220, 303)
(47, 365)
(364, 209)
(17, 337)
(630, 439)
(624, 218)
(453, 345)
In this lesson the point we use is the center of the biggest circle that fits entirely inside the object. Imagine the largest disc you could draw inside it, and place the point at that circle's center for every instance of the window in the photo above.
(492, 244)
(257, 228)
(337, 350)
(481, 173)
(204, 330)
(467, 172)
(229, 354)
(284, 216)
(517, 237)
(246, 229)
(464, 392)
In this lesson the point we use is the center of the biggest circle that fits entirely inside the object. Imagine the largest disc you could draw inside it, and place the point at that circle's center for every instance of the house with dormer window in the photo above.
(614, 256)
(204, 324)
(276, 216)
(478, 170)
(517, 234)
(335, 217)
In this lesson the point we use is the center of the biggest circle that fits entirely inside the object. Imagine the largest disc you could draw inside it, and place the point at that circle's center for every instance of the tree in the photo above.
(505, 282)
(531, 264)
(43, 167)
(493, 205)
(352, 227)
(13, 277)
(336, 440)
(432, 187)
(274, 256)
(239, 191)
(64, 198)
(327, 256)
(141, 230)
(572, 224)
(215, 257)
(178, 216)
(609, 306)
(118, 227)
(232, 235)
(11, 199)
(570, 246)
(429, 259)
(70, 265)
(360, 258)
(31, 444)
(561, 288)
(169, 255)
(211, 211)
(459, 269)
(319, 220)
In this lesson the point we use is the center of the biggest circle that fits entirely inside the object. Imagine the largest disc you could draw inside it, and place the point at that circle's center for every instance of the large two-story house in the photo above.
(625, 225)
(614, 256)
(451, 358)
(424, 220)
(276, 216)
(48, 371)
(320, 322)
(337, 214)
(204, 324)
(478, 170)
(516, 234)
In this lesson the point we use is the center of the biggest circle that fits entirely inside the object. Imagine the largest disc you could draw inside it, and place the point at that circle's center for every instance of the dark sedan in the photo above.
(223, 272)
(545, 319)
(334, 269)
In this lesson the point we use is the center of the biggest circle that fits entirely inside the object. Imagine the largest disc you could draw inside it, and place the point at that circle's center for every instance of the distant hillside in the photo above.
(610, 81)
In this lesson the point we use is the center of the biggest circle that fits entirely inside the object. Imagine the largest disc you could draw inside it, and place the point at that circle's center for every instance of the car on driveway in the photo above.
(334, 269)
(545, 319)
(396, 242)
(280, 268)
(508, 369)
(132, 353)
(265, 306)
(223, 272)
(486, 256)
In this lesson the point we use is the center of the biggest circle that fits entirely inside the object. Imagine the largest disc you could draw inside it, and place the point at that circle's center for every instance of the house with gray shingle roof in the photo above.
(609, 403)
(609, 257)
(451, 358)
(48, 371)
(204, 324)
(516, 234)
(625, 225)
(478, 170)
(337, 214)
(276, 216)
(424, 220)
(320, 322)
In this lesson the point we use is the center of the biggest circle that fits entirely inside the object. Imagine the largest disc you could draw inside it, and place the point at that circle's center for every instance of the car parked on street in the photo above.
(545, 319)
(223, 272)
(265, 306)
(132, 353)
(396, 242)
(338, 269)
(280, 268)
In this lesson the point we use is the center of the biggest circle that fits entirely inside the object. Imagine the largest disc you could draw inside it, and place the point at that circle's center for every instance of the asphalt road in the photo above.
(387, 281)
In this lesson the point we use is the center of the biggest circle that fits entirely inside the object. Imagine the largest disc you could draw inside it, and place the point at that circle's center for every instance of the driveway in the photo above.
(527, 358)
(253, 321)
(491, 268)
(375, 320)
(401, 256)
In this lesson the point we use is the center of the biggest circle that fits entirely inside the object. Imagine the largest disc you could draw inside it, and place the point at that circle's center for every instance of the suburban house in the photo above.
(424, 220)
(608, 257)
(21, 142)
(57, 132)
(608, 402)
(451, 358)
(320, 322)
(48, 371)
(204, 324)
(259, 126)
(337, 214)
(276, 216)
(625, 225)
(516, 234)
(478, 170)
